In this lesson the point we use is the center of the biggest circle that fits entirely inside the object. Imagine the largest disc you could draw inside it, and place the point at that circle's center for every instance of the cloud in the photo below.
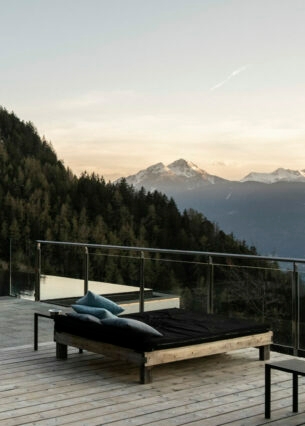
(233, 74)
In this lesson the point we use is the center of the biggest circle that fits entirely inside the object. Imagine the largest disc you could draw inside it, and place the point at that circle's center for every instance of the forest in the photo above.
(41, 199)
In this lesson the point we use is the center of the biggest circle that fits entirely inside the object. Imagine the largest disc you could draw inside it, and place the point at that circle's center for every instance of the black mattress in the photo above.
(178, 327)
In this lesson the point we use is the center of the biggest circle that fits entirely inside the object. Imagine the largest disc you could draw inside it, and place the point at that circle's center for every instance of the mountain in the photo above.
(180, 174)
(266, 210)
(185, 174)
(279, 175)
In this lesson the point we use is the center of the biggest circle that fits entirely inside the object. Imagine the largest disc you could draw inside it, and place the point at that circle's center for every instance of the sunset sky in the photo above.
(119, 85)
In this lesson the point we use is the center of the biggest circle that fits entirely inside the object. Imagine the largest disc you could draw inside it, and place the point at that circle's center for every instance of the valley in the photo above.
(264, 210)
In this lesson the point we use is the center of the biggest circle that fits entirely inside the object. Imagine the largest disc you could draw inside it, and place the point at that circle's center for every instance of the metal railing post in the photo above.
(38, 273)
(10, 269)
(295, 310)
(86, 271)
(141, 297)
(210, 286)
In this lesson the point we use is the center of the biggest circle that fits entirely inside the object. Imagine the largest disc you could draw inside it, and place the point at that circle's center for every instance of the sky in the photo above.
(119, 85)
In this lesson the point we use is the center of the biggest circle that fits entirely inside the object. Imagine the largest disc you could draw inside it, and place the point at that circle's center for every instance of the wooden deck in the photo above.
(88, 389)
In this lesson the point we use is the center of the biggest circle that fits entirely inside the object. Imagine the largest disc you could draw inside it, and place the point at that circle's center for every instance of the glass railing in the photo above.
(267, 289)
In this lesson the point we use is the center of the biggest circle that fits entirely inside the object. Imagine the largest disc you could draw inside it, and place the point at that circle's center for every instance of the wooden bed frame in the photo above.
(147, 360)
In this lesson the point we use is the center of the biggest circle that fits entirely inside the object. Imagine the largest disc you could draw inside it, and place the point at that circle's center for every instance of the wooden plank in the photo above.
(204, 349)
(165, 355)
(106, 349)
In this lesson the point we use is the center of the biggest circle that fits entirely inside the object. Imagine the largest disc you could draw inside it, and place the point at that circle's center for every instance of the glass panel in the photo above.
(302, 308)
(250, 288)
(62, 272)
(260, 293)
(179, 279)
(19, 280)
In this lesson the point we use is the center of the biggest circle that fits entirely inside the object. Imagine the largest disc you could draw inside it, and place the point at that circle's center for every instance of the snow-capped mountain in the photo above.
(279, 175)
(180, 174)
(264, 209)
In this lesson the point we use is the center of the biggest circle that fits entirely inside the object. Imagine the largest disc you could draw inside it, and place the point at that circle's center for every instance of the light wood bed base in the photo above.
(147, 360)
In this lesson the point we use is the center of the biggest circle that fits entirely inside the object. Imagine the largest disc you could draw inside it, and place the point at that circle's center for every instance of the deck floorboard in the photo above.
(88, 389)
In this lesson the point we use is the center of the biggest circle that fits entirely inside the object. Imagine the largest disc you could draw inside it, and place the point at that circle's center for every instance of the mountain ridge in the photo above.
(179, 173)
(278, 175)
(188, 174)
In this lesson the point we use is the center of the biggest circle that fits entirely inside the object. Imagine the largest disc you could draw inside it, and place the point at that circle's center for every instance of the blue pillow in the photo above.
(100, 313)
(131, 324)
(84, 317)
(97, 301)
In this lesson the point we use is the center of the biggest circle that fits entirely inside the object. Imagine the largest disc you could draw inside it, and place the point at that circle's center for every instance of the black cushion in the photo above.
(177, 326)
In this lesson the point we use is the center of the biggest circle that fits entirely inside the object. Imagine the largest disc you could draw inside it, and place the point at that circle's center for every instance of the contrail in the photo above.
(233, 74)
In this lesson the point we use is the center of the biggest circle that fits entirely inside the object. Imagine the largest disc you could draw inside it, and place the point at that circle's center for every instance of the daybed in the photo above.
(185, 335)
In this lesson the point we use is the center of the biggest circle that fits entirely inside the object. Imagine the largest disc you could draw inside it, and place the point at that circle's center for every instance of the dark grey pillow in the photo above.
(100, 313)
(131, 324)
(84, 317)
(98, 301)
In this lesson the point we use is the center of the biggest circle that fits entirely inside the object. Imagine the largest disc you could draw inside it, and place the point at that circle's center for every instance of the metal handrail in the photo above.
(172, 251)
(210, 281)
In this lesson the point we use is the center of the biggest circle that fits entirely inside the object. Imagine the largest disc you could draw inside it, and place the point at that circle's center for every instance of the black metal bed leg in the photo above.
(145, 374)
(295, 392)
(267, 391)
(264, 353)
(61, 351)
